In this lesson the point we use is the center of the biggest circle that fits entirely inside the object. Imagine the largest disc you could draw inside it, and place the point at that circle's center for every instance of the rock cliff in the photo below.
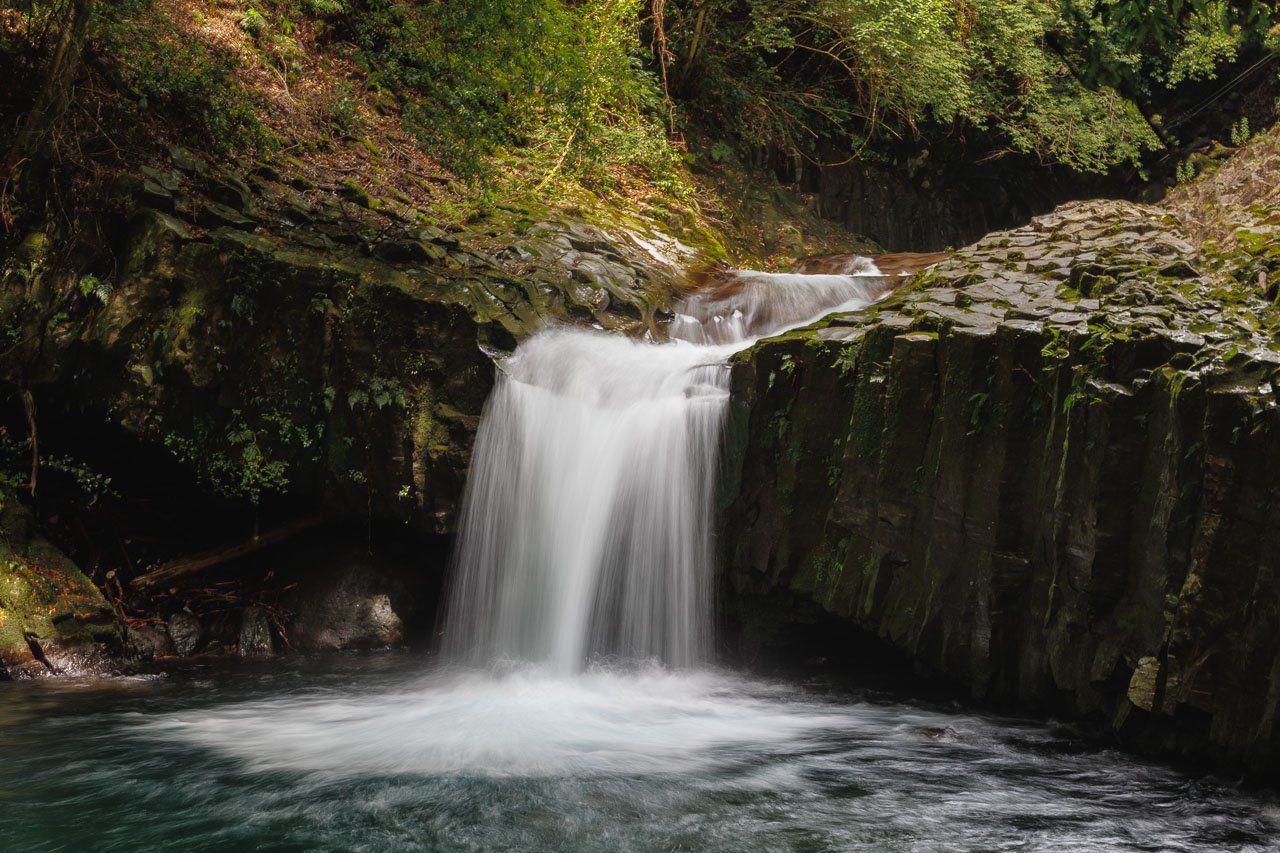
(1046, 468)
(319, 343)
(251, 340)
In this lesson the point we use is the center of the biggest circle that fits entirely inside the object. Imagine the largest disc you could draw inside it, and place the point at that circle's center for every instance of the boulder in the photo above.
(232, 192)
(255, 634)
(150, 642)
(53, 620)
(186, 632)
(215, 215)
(347, 606)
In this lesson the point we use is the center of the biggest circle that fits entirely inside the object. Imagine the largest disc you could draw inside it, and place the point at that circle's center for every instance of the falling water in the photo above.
(586, 535)
(586, 528)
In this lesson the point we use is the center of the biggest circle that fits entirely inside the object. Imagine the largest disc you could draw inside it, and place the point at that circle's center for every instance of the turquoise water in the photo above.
(384, 753)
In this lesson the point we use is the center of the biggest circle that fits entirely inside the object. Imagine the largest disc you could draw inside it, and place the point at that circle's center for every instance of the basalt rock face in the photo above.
(1046, 468)
(328, 345)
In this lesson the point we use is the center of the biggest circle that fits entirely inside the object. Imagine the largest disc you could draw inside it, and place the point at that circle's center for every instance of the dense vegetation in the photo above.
(1071, 82)
(596, 89)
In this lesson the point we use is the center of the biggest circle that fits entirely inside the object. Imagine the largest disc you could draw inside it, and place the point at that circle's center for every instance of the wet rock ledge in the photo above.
(1049, 469)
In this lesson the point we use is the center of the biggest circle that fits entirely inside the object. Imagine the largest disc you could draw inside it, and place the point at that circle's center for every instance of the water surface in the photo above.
(373, 753)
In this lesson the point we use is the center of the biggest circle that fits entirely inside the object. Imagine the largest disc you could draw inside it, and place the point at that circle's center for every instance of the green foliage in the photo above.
(324, 8)
(92, 287)
(1063, 81)
(77, 482)
(1135, 44)
(562, 86)
(1057, 347)
(381, 392)
(720, 151)
(528, 90)
(193, 83)
(610, 110)
(254, 23)
(89, 485)
(1240, 131)
(235, 462)
(1209, 40)
(796, 72)
(847, 360)
(15, 467)
(343, 111)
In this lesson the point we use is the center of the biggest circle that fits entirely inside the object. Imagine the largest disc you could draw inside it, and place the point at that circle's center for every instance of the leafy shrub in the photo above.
(1240, 131)
(254, 23)
(324, 8)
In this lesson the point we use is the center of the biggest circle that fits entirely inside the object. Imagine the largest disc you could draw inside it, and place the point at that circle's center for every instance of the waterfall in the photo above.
(586, 522)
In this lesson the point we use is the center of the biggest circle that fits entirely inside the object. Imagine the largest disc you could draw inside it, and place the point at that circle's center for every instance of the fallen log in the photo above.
(196, 563)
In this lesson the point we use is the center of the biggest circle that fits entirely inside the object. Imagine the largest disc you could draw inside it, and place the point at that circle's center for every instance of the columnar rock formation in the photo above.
(1046, 469)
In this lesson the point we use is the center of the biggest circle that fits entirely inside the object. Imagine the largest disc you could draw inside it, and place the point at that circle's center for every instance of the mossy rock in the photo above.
(33, 248)
(357, 195)
(53, 619)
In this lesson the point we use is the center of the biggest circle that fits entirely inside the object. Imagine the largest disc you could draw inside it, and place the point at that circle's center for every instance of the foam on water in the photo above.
(517, 757)
(524, 721)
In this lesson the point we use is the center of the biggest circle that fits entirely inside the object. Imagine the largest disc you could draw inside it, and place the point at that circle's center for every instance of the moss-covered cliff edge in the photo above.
(286, 342)
(1046, 469)
(234, 346)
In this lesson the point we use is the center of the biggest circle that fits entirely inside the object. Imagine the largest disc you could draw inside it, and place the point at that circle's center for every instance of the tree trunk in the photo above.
(55, 94)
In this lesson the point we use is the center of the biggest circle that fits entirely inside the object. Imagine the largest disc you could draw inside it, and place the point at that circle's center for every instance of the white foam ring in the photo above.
(585, 529)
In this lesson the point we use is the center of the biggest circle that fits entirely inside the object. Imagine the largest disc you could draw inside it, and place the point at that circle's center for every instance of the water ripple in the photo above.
(522, 759)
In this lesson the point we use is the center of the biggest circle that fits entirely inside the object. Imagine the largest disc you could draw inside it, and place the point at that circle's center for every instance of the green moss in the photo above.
(870, 575)
(356, 194)
(43, 594)
(191, 310)
(821, 573)
(429, 433)
(33, 248)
